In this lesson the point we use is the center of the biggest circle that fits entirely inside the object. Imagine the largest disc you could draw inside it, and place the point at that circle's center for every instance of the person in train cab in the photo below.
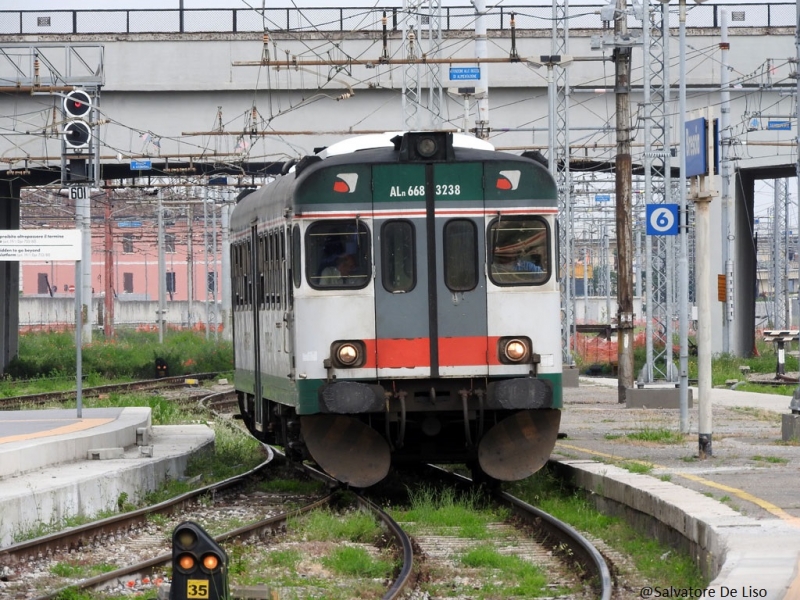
(528, 266)
(340, 273)
(518, 264)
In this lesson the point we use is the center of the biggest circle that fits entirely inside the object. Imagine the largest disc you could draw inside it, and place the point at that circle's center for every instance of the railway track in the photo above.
(17, 402)
(557, 537)
(101, 540)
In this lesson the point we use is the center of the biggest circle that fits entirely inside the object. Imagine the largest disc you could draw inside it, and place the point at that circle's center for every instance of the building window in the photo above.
(211, 278)
(169, 242)
(170, 283)
(127, 243)
(42, 284)
(127, 283)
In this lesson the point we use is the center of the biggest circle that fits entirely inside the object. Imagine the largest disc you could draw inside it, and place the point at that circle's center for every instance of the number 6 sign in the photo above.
(662, 219)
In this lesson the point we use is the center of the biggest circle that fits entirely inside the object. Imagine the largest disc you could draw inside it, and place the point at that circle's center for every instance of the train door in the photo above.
(256, 296)
(430, 292)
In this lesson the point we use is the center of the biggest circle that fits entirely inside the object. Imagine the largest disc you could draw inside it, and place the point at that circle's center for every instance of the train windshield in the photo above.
(338, 254)
(519, 251)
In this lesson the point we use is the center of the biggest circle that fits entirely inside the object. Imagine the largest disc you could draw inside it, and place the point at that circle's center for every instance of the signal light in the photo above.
(77, 104)
(199, 565)
(77, 134)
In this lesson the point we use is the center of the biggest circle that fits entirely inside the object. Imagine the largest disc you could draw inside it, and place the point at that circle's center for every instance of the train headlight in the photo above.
(427, 147)
(348, 354)
(515, 350)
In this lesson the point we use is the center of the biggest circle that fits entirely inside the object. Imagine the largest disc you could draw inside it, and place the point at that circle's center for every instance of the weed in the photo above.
(356, 561)
(659, 435)
(525, 579)
(325, 525)
(444, 509)
(770, 459)
(637, 467)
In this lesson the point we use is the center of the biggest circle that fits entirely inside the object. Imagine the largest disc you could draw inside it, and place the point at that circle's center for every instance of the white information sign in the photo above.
(40, 244)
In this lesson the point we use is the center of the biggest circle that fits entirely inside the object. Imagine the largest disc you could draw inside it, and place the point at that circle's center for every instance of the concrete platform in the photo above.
(54, 465)
(737, 513)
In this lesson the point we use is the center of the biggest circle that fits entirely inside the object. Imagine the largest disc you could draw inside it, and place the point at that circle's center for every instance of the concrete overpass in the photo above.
(169, 89)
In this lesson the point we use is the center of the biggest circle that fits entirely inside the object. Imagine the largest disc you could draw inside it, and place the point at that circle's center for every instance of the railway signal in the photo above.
(77, 132)
(199, 565)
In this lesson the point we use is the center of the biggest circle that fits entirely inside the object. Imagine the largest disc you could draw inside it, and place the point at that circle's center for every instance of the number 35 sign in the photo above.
(662, 219)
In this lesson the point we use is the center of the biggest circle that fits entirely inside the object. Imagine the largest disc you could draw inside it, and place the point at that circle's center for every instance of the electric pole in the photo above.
(622, 61)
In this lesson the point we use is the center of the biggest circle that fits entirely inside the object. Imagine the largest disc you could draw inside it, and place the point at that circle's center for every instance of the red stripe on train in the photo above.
(385, 353)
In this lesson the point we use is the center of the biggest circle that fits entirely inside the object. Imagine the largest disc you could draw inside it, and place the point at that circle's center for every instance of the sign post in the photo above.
(700, 152)
(51, 244)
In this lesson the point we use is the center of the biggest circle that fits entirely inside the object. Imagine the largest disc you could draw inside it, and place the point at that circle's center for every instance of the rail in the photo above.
(330, 19)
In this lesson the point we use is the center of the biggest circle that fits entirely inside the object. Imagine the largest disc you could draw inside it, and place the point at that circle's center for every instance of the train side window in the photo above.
(248, 278)
(283, 270)
(338, 254)
(296, 242)
(274, 287)
(239, 276)
(460, 255)
(397, 256)
(519, 251)
(261, 272)
(269, 258)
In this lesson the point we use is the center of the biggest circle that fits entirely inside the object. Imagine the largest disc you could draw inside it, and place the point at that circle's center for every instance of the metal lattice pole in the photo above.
(658, 253)
(559, 166)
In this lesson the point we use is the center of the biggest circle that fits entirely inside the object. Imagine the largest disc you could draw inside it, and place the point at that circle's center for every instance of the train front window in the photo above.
(338, 254)
(397, 251)
(519, 251)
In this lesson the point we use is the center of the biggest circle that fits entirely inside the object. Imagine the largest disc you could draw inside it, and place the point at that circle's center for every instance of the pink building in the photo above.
(125, 248)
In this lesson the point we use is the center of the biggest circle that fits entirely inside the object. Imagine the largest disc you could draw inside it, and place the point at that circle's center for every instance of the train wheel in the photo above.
(346, 448)
(519, 445)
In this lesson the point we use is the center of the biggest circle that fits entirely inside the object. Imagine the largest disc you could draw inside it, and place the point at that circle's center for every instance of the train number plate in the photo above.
(197, 589)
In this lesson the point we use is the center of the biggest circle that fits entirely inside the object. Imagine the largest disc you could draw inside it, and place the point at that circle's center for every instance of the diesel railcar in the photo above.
(396, 300)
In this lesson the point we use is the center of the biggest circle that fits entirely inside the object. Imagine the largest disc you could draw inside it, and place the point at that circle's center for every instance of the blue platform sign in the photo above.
(602, 197)
(696, 144)
(465, 73)
(779, 125)
(662, 219)
(141, 165)
(129, 223)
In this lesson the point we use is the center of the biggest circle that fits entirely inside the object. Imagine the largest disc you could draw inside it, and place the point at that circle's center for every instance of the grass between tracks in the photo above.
(654, 564)
(47, 361)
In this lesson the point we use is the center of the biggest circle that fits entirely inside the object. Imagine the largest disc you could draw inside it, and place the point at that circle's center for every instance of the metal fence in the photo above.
(455, 18)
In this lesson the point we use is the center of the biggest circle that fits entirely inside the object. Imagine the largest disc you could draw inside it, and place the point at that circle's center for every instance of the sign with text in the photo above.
(779, 125)
(465, 73)
(696, 144)
(40, 244)
(141, 165)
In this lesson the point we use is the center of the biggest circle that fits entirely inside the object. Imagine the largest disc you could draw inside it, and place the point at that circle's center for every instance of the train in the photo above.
(395, 301)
